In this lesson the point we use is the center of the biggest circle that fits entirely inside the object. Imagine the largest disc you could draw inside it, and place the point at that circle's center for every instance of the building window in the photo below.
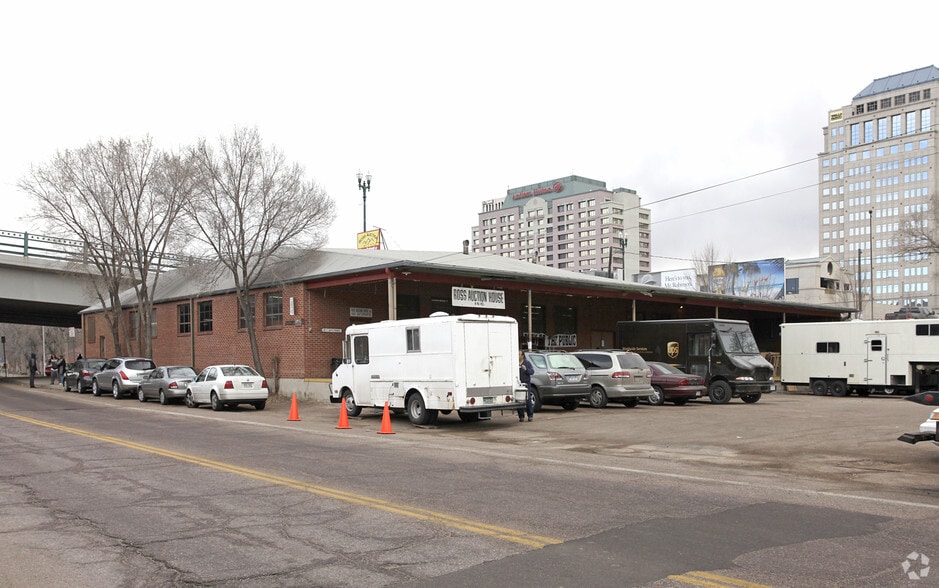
(828, 347)
(899, 100)
(243, 321)
(184, 319)
(884, 103)
(134, 322)
(413, 335)
(855, 134)
(90, 329)
(205, 316)
(925, 119)
(914, 96)
(871, 106)
(859, 109)
(273, 309)
(153, 323)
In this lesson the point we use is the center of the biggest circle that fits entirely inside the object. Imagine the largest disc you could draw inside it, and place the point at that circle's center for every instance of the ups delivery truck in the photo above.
(723, 352)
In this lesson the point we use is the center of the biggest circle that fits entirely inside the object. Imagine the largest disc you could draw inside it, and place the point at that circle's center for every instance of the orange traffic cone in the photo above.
(386, 421)
(343, 416)
(294, 413)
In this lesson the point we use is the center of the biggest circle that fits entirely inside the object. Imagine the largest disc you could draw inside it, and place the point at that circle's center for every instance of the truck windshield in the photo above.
(738, 341)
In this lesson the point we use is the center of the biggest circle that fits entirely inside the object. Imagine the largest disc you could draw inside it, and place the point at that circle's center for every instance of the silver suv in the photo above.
(121, 375)
(620, 376)
(559, 378)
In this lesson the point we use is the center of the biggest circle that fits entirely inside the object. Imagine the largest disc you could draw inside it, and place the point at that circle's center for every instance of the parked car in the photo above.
(166, 383)
(227, 385)
(928, 429)
(559, 378)
(620, 376)
(911, 312)
(79, 375)
(671, 384)
(121, 375)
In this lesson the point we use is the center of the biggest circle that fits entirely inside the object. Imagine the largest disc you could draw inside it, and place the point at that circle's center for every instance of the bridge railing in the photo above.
(70, 250)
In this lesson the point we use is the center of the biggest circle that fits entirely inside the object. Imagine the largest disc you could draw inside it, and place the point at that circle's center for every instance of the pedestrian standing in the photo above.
(525, 370)
(33, 368)
(61, 370)
(53, 368)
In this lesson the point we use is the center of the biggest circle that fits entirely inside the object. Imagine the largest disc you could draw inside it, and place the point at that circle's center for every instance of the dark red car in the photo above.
(673, 385)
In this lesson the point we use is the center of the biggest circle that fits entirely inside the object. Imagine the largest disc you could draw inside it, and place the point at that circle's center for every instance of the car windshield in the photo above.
(181, 372)
(630, 361)
(738, 341)
(238, 370)
(95, 364)
(564, 361)
(664, 368)
(139, 364)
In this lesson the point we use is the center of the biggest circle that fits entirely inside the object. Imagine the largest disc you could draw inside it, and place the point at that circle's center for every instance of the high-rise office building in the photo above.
(570, 223)
(877, 171)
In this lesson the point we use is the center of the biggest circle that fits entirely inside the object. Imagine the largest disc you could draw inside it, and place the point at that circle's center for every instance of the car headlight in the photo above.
(744, 378)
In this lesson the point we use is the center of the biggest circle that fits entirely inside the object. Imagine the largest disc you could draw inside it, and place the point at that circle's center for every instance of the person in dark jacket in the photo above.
(525, 370)
(33, 368)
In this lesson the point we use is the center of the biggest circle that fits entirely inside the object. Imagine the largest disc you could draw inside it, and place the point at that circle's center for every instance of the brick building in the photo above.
(303, 306)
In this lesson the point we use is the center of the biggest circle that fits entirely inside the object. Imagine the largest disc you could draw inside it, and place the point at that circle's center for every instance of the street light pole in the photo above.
(364, 185)
(623, 240)
(871, 229)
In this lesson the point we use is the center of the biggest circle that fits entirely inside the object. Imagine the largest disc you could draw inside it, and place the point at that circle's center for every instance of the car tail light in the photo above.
(683, 382)
(229, 385)
(472, 400)
(508, 399)
(123, 375)
(555, 377)
(622, 375)
(173, 385)
(85, 374)
(264, 383)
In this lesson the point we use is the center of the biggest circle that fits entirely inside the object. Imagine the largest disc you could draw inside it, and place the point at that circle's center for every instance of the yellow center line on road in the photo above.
(709, 580)
(429, 516)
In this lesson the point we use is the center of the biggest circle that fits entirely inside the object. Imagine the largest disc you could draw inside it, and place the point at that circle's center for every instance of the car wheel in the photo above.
(751, 398)
(657, 398)
(190, 402)
(95, 391)
(819, 387)
(598, 397)
(417, 410)
(215, 402)
(163, 399)
(839, 388)
(535, 400)
(260, 404)
(116, 389)
(631, 402)
(140, 395)
(720, 392)
(352, 409)
(680, 401)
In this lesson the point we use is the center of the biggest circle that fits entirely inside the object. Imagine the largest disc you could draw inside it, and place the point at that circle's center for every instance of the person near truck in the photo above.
(525, 370)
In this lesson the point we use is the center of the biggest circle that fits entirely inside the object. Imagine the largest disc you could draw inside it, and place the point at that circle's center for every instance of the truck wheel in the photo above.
(820, 387)
(348, 401)
(598, 397)
(417, 410)
(657, 398)
(535, 400)
(751, 398)
(838, 388)
(720, 392)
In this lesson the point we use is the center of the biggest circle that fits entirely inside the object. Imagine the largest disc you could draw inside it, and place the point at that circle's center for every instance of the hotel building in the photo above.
(571, 223)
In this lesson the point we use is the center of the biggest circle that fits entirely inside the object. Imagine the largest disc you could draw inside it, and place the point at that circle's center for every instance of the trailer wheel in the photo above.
(751, 398)
(838, 388)
(598, 397)
(819, 387)
(720, 392)
(348, 401)
(417, 410)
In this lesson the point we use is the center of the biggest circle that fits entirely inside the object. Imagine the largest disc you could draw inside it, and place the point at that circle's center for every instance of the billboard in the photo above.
(764, 278)
(685, 279)
(369, 239)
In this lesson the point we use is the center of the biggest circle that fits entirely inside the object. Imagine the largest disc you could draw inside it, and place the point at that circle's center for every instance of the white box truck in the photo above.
(876, 356)
(426, 366)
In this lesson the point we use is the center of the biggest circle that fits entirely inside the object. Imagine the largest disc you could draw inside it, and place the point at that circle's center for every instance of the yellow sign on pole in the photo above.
(369, 239)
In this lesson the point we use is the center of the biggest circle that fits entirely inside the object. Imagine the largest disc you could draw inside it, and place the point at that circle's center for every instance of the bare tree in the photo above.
(703, 260)
(919, 233)
(249, 204)
(120, 199)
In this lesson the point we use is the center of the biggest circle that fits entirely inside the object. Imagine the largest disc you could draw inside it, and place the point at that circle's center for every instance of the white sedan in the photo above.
(227, 385)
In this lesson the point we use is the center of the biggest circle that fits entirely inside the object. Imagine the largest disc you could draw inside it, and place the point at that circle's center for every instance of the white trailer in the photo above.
(877, 356)
(467, 363)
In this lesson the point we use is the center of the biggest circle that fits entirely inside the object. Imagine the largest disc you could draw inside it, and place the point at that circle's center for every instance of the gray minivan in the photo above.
(620, 376)
(559, 378)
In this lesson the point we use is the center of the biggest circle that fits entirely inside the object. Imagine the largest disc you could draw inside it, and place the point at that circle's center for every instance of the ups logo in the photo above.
(671, 349)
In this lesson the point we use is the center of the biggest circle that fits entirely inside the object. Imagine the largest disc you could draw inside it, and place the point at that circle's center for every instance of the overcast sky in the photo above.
(449, 104)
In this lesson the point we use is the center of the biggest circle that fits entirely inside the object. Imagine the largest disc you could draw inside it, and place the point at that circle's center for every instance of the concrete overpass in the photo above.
(35, 291)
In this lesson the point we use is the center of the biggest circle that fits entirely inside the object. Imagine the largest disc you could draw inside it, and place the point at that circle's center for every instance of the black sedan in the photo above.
(78, 375)
(673, 385)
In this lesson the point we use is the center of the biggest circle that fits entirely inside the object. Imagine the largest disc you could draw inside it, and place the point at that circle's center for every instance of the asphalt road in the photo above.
(795, 490)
